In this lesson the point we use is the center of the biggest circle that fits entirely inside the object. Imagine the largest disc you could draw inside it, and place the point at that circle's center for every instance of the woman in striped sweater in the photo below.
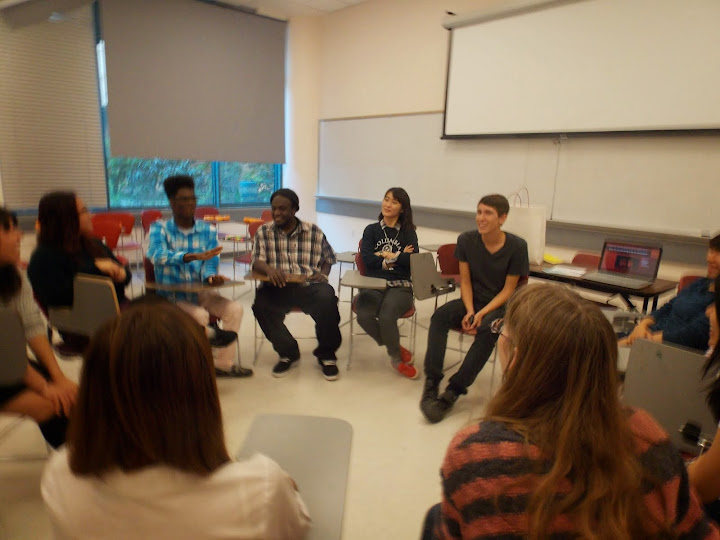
(557, 456)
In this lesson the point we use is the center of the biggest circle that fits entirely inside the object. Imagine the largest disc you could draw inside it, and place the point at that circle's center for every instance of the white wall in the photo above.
(380, 57)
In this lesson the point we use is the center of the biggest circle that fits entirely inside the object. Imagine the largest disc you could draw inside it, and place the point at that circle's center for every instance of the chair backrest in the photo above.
(590, 260)
(253, 227)
(94, 302)
(126, 219)
(149, 270)
(687, 280)
(266, 215)
(13, 346)
(446, 258)
(360, 264)
(107, 230)
(148, 217)
(202, 211)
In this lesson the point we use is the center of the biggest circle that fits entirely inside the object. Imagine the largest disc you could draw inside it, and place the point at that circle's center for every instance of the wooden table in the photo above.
(659, 287)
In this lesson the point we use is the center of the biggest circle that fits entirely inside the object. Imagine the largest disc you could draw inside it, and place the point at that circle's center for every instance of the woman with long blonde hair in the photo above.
(556, 454)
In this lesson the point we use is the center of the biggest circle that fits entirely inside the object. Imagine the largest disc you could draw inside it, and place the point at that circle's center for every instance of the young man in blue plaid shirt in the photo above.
(185, 250)
(287, 246)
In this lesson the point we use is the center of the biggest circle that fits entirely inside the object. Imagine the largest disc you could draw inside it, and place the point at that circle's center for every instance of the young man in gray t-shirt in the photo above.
(491, 264)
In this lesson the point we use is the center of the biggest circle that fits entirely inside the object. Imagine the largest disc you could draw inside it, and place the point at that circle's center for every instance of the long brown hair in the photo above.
(147, 396)
(560, 392)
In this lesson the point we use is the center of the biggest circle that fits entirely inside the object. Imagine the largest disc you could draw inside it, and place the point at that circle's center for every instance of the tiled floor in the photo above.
(396, 454)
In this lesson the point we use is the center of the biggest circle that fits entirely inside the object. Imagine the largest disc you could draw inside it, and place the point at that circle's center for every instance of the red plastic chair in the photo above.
(147, 218)
(127, 223)
(202, 211)
(589, 260)
(108, 231)
(449, 265)
(687, 280)
(246, 258)
(266, 215)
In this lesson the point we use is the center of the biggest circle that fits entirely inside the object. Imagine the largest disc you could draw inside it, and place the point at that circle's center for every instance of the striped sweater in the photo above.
(482, 497)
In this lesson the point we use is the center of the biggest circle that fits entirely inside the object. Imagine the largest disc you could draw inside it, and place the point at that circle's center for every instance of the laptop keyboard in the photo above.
(618, 281)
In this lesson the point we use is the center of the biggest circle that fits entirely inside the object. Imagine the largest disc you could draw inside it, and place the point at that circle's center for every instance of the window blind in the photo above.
(50, 128)
(193, 80)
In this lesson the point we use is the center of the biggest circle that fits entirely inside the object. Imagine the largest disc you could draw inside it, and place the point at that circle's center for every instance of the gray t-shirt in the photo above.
(489, 270)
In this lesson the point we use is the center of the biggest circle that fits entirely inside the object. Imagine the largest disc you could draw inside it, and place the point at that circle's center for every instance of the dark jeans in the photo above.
(379, 311)
(431, 519)
(450, 317)
(317, 300)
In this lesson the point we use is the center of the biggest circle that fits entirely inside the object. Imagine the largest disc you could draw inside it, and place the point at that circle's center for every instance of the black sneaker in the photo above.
(436, 409)
(329, 369)
(235, 371)
(222, 338)
(430, 391)
(284, 366)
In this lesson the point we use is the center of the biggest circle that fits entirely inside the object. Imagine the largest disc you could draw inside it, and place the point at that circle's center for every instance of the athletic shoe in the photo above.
(430, 391)
(283, 367)
(222, 338)
(235, 372)
(406, 357)
(329, 369)
(406, 370)
(436, 409)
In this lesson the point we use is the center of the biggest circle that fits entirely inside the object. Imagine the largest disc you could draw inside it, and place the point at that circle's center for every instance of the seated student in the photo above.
(285, 246)
(65, 247)
(491, 264)
(183, 250)
(704, 472)
(385, 248)
(557, 455)
(682, 320)
(36, 389)
(146, 455)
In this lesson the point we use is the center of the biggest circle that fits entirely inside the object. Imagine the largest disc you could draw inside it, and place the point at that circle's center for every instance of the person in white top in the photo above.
(146, 456)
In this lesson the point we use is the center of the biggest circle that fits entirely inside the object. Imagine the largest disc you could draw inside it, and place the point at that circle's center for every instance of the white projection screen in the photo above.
(586, 66)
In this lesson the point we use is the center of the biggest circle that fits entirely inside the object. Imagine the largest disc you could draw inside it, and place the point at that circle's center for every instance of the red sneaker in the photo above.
(406, 356)
(407, 370)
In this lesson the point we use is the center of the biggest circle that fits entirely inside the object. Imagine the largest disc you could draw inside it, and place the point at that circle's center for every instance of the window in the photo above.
(137, 182)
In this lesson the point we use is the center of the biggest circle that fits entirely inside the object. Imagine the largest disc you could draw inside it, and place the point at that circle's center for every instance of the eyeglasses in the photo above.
(497, 327)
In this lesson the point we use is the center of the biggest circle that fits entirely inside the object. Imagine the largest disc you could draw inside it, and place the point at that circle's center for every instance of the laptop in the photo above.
(623, 264)
(427, 281)
(666, 381)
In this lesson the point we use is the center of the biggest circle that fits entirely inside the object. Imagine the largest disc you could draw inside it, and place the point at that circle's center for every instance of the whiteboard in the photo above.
(668, 184)
(588, 66)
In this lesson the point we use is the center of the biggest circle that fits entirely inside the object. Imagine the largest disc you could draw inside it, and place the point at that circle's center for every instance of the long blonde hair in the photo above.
(560, 392)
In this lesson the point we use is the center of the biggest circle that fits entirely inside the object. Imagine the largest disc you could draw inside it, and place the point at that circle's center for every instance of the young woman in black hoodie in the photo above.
(385, 248)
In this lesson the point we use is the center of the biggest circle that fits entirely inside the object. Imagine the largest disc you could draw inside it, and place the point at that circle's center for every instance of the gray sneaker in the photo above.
(436, 409)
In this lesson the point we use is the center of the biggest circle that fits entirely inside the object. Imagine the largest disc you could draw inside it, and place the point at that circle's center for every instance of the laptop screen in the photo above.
(631, 259)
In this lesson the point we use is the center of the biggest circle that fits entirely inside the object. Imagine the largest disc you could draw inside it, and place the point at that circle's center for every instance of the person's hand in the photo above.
(203, 255)
(318, 277)
(217, 280)
(110, 268)
(385, 254)
(409, 249)
(276, 276)
(470, 320)
(641, 331)
(62, 396)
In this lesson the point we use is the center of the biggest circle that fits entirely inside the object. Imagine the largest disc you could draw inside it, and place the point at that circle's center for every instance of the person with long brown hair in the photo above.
(66, 246)
(556, 453)
(146, 455)
(36, 388)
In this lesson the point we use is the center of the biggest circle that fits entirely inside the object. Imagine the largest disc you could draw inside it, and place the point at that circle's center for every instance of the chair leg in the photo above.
(352, 333)
(492, 374)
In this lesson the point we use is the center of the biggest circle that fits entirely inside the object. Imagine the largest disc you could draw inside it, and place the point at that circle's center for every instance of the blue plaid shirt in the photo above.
(168, 246)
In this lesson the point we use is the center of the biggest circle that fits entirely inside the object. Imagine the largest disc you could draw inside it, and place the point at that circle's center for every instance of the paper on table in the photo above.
(566, 270)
